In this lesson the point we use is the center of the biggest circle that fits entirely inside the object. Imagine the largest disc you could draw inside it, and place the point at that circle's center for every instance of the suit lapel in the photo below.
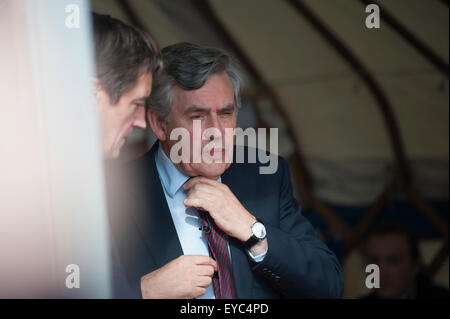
(153, 218)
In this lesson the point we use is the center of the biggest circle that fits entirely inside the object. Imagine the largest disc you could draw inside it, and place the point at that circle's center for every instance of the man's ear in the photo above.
(101, 96)
(97, 87)
(158, 125)
(96, 84)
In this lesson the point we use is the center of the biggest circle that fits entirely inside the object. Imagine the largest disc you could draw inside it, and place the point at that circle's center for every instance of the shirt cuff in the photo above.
(258, 258)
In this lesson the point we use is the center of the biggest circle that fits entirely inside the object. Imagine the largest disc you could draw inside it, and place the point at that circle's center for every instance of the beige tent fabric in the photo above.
(429, 22)
(335, 116)
(410, 82)
(323, 93)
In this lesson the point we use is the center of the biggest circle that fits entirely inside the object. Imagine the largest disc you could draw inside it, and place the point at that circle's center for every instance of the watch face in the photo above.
(259, 230)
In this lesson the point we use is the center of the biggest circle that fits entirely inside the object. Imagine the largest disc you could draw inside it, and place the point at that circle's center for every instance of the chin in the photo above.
(212, 171)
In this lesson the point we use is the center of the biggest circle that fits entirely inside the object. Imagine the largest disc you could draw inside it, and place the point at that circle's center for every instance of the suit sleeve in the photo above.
(298, 264)
(122, 289)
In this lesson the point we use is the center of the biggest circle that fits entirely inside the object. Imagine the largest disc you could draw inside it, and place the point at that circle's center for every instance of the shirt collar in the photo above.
(171, 178)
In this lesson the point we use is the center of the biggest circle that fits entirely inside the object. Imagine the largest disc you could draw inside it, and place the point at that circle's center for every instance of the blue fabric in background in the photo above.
(402, 212)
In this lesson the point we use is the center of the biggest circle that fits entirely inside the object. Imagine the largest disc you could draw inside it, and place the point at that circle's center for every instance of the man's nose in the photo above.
(139, 119)
(214, 122)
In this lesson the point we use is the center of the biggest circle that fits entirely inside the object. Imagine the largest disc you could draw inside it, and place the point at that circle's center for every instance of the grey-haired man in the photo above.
(213, 229)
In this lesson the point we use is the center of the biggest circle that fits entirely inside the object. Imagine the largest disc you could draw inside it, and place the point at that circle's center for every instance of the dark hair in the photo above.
(388, 228)
(122, 54)
(190, 66)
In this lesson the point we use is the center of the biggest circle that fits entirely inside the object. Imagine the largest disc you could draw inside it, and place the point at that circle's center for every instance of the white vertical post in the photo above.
(52, 203)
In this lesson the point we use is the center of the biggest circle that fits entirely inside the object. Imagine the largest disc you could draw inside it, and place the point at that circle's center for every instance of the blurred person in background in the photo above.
(394, 248)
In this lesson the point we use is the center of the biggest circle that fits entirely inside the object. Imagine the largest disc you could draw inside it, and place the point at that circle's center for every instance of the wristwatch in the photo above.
(259, 233)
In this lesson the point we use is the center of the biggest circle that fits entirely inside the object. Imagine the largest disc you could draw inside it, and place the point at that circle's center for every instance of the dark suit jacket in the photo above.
(297, 265)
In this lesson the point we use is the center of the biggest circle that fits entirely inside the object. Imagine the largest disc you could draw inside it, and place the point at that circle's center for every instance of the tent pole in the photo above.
(372, 84)
(409, 37)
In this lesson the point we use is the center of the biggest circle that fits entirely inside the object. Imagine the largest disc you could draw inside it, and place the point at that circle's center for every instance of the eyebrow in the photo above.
(229, 107)
(142, 98)
(196, 108)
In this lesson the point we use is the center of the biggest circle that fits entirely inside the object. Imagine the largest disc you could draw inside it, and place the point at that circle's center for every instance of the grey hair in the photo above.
(190, 66)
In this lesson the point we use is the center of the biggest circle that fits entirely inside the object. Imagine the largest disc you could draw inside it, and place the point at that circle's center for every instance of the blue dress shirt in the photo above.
(185, 219)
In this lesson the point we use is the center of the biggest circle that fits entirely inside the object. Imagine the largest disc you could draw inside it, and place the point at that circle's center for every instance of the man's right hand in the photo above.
(186, 277)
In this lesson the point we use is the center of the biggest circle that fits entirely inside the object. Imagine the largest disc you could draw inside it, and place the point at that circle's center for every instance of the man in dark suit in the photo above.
(194, 225)
(126, 60)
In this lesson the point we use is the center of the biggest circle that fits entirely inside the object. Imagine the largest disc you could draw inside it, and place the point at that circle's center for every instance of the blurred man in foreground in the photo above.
(126, 60)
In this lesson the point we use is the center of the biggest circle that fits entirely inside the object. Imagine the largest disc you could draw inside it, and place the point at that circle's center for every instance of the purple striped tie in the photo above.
(223, 283)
